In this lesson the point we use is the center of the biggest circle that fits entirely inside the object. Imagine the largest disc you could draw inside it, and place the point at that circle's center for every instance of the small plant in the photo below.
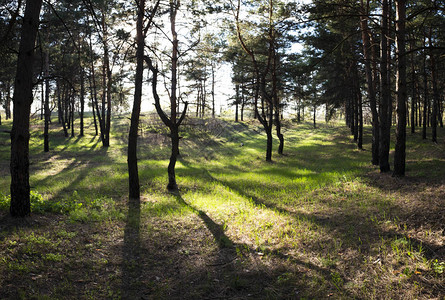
(4, 201)
(56, 257)
(438, 267)
(284, 278)
(337, 280)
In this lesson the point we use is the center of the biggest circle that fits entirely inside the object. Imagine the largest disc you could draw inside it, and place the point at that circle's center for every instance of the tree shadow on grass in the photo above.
(217, 230)
(353, 229)
(131, 252)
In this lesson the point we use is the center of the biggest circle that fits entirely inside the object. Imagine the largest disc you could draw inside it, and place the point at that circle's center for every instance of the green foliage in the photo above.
(5, 201)
(438, 267)
(100, 209)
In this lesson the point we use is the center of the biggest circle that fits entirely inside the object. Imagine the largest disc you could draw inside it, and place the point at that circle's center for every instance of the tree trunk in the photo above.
(236, 101)
(315, 115)
(370, 84)
(356, 110)
(108, 120)
(93, 96)
(413, 92)
(399, 156)
(22, 99)
(72, 114)
(425, 94)
(243, 103)
(171, 122)
(278, 129)
(8, 101)
(99, 113)
(385, 94)
(46, 105)
(42, 97)
(436, 97)
(269, 144)
(133, 175)
(213, 90)
(360, 120)
(172, 185)
(82, 100)
(60, 107)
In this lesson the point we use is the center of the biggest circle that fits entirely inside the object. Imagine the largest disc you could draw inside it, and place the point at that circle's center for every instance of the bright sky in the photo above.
(223, 88)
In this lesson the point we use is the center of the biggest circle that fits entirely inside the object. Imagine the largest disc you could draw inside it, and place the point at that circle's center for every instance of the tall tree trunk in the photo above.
(370, 83)
(46, 105)
(243, 102)
(103, 106)
(389, 41)
(315, 115)
(72, 114)
(60, 107)
(42, 97)
(413, 93)
(171, 122)
(8, 101)
(385, 94)
(133, 175)
(108, 119)
(276, 100)
(106, 80)
(59, 103)
(269, 144)
(0, 113)
(440, 111)
(236, 101)
(356, 110)
(436, 97)
(82, 100)
(425, 94)
(100, 113)
(22, 99)
(399, 156)
(213, 90)
(198, 101)
(278, 129)
(360, 119)
(93, 96)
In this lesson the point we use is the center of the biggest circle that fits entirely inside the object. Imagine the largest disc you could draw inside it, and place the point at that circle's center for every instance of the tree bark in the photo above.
(22, 99)
(213, 90)
(425, 95)
(236, 101)
(8, 101)
(385, 94)
(400, 152)
(413, 92)
(370, 84)
(171, 122)
(133, 175)
(436, 97)
(46, 105)
(82, 100)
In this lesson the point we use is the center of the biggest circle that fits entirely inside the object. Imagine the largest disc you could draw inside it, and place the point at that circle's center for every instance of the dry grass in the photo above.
(317, 223)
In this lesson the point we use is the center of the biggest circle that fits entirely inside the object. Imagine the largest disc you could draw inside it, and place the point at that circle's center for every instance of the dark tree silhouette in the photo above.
(22, 99)
(399, 157)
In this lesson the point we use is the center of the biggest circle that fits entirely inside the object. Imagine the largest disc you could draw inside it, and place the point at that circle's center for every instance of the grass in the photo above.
(319, 222)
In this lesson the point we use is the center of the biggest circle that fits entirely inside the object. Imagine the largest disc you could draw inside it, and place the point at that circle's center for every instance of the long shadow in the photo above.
(79, 167)
(217, 230)
(219, 235)
(131, 253)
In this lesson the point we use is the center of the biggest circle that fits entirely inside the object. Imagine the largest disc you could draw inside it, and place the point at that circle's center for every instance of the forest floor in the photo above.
(319, 222)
